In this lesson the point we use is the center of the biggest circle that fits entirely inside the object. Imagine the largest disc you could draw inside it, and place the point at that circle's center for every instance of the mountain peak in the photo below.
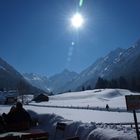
(109, 66)
(65, 71)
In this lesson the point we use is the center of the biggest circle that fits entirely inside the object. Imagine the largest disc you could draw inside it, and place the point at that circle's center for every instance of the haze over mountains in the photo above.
(120, 62)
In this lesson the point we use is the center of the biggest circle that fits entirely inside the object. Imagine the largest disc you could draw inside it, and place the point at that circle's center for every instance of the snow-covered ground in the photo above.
(91, 99)
(96, 98)
(85, 122)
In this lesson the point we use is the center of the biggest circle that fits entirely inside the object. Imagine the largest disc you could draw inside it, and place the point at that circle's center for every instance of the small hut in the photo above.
(41, 98)
(11, 98)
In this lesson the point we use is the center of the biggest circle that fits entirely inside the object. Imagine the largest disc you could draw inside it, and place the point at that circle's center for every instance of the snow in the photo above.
(106, 69)
(1, 67)
(88, 123)
(94, 98)
(87, 115)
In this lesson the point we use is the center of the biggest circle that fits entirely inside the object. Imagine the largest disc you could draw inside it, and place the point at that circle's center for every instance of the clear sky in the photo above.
(37, 36)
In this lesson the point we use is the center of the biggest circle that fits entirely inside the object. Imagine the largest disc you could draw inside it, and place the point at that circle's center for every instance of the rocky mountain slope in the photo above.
(11, 79)
(120, 62)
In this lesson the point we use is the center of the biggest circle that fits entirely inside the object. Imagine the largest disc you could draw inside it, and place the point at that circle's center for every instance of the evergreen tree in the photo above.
(88, 87)
(113, 83)
(83, 88)
(101, 83)
(123, 84)
(133, 84)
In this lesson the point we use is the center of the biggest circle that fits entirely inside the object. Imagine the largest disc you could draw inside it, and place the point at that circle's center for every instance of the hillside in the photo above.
(37, 81)
(115, 98)
(55, 83)
(120, 62)
(11, 79)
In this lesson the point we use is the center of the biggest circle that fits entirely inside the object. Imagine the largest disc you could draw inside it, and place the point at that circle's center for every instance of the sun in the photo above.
(77, 20)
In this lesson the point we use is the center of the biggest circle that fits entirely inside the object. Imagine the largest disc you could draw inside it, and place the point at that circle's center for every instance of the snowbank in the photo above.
(86, 131)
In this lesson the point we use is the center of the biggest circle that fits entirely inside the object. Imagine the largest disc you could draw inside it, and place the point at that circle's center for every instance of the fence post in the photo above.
(136, 124)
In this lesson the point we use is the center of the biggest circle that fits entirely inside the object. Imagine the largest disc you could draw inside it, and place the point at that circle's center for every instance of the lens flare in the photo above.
(81, 2)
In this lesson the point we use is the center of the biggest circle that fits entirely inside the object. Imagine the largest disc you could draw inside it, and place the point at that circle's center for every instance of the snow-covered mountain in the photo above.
(120, 62)
(10, 78)
(8, 75)
(37, 80)
(98, 69)
(58, 81)
(54, 83)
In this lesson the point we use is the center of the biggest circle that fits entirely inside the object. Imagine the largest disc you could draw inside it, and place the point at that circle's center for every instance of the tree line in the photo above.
(121, 83)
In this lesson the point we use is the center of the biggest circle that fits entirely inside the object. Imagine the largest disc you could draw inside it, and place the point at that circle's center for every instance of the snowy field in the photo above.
(83, 111)
(95, 102)
(113, 97)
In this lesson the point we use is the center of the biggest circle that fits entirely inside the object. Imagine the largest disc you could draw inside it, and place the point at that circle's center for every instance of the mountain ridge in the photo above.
(119, 62)
(10, 79)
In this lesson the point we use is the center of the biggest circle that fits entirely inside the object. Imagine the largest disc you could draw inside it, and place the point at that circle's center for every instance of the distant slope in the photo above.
(10, 78)
(37, 80)
(115, 98)
(120, 62)
(58, 81)
(54, 83)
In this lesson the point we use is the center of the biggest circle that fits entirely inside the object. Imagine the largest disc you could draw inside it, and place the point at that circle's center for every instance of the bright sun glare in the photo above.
(77, 20)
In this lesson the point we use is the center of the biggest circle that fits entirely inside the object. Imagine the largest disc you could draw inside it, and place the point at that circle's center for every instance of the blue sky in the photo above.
(36, 35)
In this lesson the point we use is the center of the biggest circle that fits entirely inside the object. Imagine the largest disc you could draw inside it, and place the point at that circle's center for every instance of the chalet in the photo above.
(10, 97)
(41, 98)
